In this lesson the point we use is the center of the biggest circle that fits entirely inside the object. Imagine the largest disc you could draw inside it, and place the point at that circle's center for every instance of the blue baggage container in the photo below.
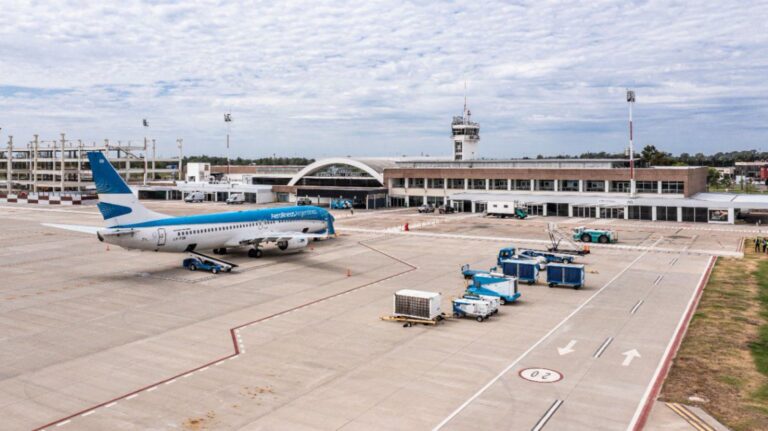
(525, 270)
(560, 274)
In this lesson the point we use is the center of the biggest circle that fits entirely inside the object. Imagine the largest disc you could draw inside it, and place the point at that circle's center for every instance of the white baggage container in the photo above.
(417, 304)
(480, 309)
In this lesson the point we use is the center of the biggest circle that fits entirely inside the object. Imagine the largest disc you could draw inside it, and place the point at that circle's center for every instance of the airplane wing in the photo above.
(93, 230)
(263, 237)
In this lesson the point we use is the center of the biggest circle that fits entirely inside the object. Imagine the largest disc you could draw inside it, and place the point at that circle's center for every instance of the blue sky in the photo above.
(379, 78)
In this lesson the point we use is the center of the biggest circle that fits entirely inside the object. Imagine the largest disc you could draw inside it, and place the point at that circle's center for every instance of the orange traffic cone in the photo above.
(405, 228)
(349, 272)
(107, 247)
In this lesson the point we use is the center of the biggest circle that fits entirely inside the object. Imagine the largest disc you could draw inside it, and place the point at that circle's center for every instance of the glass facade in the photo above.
(569, 186)
(594, 186)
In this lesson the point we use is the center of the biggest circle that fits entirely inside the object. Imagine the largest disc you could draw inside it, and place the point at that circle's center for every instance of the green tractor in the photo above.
(594, 235)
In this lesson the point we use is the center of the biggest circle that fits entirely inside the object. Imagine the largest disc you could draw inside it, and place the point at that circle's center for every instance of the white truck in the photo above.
(236, 199)
(505, 209)
(195, 197)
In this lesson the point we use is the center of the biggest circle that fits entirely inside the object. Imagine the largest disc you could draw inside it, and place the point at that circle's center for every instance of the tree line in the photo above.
(655, 157)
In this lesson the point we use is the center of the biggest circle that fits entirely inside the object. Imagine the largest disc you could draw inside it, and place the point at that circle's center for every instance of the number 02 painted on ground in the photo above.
(541, 375)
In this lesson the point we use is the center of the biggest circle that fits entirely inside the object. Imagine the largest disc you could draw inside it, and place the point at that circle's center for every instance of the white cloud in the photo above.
(377, 78)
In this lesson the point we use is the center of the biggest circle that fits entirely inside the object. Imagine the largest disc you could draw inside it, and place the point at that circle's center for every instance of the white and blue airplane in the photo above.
(130, 225)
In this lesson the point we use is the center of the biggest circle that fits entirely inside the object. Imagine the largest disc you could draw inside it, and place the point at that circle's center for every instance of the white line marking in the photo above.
(203, 369)
(602, 348)
(152, 389)
(547, 415)
(658, 280)
(634, 309)
(130, 397)
(170, 381)
(88, 413)
(110, 404)
(63, 423)
(536, 344)
(648, 390)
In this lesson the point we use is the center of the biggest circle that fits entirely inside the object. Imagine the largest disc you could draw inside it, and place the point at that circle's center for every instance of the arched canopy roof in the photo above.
(373, 167)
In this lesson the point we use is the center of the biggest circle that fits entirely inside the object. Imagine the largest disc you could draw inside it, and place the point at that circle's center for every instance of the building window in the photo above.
(595, 186)
(614, 212)
(498, 184)
(457, 146)
(545, 185)
(398, 182)
(620, 186)
(676, 187)
(435, 183)
(417, 183)
(666, 213)
(569, 185)
(521, 184)
(477, 184)
(637, 212)
(647, 186)
(456, 183)
(698, 215)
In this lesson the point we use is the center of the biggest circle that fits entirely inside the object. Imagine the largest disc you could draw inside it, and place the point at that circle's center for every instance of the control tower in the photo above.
(466, 136)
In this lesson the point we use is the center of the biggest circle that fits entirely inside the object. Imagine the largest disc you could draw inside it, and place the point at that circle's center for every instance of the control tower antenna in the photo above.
(465, 134)
(465, 98)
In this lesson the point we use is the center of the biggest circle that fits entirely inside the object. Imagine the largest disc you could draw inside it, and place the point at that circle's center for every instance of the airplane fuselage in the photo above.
(211, 231)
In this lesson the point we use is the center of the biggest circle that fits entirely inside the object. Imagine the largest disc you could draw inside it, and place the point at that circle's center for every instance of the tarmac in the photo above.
(95, 338)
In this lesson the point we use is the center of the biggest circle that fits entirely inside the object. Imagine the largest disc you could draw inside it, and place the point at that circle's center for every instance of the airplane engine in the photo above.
(293, 243)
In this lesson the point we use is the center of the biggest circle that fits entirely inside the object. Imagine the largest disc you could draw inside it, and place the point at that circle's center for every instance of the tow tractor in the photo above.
(207, 263)
(603, 236)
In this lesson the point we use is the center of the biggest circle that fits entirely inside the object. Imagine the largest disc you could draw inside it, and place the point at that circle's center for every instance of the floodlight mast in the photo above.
(631, 101)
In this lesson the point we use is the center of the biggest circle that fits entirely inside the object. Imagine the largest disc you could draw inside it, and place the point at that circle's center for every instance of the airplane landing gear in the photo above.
(254, 252)
(219, 251)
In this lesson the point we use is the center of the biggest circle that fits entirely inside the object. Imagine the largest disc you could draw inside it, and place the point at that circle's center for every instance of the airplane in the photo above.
(131, 225)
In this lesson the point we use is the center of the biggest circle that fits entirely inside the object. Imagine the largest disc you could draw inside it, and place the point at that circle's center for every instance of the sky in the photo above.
(383, 78)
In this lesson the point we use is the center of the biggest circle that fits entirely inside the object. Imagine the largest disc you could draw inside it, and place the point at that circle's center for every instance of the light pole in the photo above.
(631, 101)
(228, 121)
(146, 127)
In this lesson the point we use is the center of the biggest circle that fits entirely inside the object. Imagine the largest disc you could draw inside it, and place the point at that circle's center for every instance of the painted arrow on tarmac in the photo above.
(629, 355)
(567, 349)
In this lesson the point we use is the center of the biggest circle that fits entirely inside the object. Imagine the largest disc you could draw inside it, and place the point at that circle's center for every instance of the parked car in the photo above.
(446, 209)
(236, 199)
(195, 197)
(426, 208)
(194, 263)
(304, 201)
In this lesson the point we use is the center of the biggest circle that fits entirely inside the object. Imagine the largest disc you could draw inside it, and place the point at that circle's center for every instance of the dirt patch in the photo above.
(715, 368)
(200, 423)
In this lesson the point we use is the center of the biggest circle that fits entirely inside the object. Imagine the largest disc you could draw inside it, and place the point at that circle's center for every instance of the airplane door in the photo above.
(161, 236)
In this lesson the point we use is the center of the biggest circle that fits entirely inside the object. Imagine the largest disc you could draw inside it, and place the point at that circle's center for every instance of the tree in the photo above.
(654, 157)
(713, 177)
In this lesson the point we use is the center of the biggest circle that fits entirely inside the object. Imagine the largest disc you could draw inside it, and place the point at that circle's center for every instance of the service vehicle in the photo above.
(236, 199)
(194, 263)
(548, 256)
(468, 272)
(341, 204)
(195, 197)
(602, 236)
(477, 308)
(504, 288)
(493, 301)
(523, 269)
(505, 209)
(304, 201)
(560, 274)
(416, 307)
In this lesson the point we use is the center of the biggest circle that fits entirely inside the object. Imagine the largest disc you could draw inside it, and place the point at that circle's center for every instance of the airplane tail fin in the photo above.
(117, 203)
(331, 230)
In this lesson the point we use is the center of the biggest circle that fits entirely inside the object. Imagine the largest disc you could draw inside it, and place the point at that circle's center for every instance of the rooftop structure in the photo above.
(62, 165)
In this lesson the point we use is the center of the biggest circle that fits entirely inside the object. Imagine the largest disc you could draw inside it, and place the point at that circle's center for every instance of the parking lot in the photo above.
(95, 338)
